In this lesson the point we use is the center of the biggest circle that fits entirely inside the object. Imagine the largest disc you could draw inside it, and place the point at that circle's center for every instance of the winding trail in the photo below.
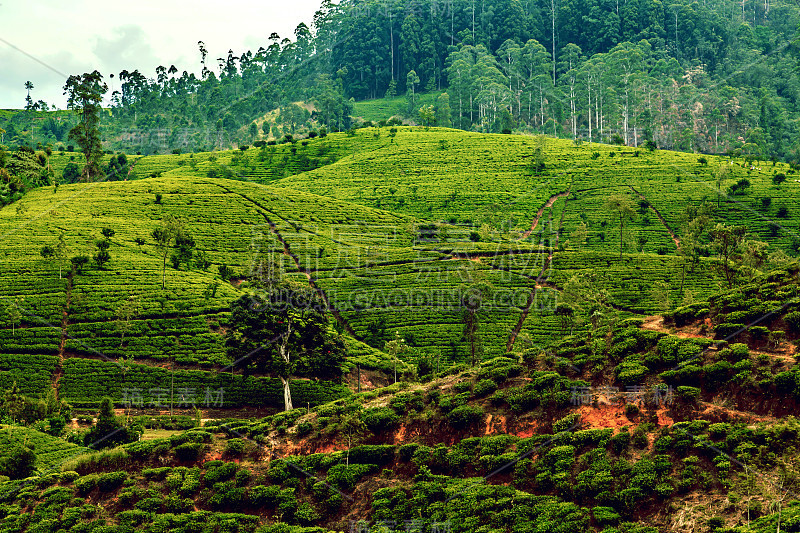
(658, 214)
(541, 279)
(64, 335)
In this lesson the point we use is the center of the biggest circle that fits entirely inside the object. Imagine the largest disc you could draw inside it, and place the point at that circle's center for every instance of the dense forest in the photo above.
(716, 77)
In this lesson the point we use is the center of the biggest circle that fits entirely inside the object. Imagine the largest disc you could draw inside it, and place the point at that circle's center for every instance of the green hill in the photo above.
(505, 247)
(390, 227)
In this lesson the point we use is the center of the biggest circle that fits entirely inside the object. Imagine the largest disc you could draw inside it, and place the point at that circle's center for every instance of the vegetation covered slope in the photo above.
(583, 408)
(396, 237)
(83, 321)
(635, 427)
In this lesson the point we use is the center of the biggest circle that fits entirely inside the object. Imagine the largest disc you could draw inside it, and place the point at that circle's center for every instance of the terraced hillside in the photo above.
(83, 322)
(397, 228)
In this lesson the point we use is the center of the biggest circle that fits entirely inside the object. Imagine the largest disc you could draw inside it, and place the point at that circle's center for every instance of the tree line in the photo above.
(712, 77)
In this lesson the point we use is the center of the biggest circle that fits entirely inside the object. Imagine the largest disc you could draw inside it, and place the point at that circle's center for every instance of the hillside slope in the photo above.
(395, 227)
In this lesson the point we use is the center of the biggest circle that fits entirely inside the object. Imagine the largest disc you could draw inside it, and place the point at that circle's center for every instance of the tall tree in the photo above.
(29, 105)
(85, 95)
(569, 65)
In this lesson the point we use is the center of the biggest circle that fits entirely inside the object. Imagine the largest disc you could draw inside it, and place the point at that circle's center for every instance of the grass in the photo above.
(152, 434)
(386, 108)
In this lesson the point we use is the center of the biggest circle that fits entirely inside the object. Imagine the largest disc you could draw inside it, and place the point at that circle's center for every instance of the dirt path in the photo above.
(64, 335)
(541, 279)
(539, 213)
(656, 323)
(661, 218)
(287, 251)
(709, 411)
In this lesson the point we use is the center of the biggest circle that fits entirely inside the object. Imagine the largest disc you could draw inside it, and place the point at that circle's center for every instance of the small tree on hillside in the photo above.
(125, 312)
(60, 251)
(165, 236)
(472, 300)
(47, 252)
(412, 79)
(14, 314)
(622, 206)
(394, 348)
(443, 111)
(427, 114)
(728, 242)
(102, 256)
(721, 175)
(109, 431)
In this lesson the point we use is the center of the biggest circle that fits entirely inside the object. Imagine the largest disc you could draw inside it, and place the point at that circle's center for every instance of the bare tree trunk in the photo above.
(391, 41)
(589, 94)
(284, 351)
(553, 11)
(287, 395)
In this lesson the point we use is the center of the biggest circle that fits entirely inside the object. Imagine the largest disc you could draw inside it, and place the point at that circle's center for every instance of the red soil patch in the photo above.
(496, 425)
(604, 416)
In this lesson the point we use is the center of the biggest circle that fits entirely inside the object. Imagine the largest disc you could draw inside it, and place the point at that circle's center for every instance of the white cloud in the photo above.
(84, 35)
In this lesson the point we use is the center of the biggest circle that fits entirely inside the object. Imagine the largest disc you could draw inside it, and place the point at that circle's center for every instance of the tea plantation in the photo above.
(580, 340)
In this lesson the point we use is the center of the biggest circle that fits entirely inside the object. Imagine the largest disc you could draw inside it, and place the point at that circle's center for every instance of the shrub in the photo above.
(304, 428)
(234, 447)
(484, 387)
(219, 471)
(18, 463)
(728, 330)
(568, 422)
(688, 394)
(69, 476)
(345, 477)
(188, 451)
(620, 441)
(406, 451)
(306, 514)
(111, 480)
(379, 419)
(465, 416)
(86, 484)
(783, 212)
(605, 516)
(793, 321)
(264, 496)
(376, 454)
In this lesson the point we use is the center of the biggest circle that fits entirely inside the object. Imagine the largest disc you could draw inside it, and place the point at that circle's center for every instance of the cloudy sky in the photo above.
(45, 41)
